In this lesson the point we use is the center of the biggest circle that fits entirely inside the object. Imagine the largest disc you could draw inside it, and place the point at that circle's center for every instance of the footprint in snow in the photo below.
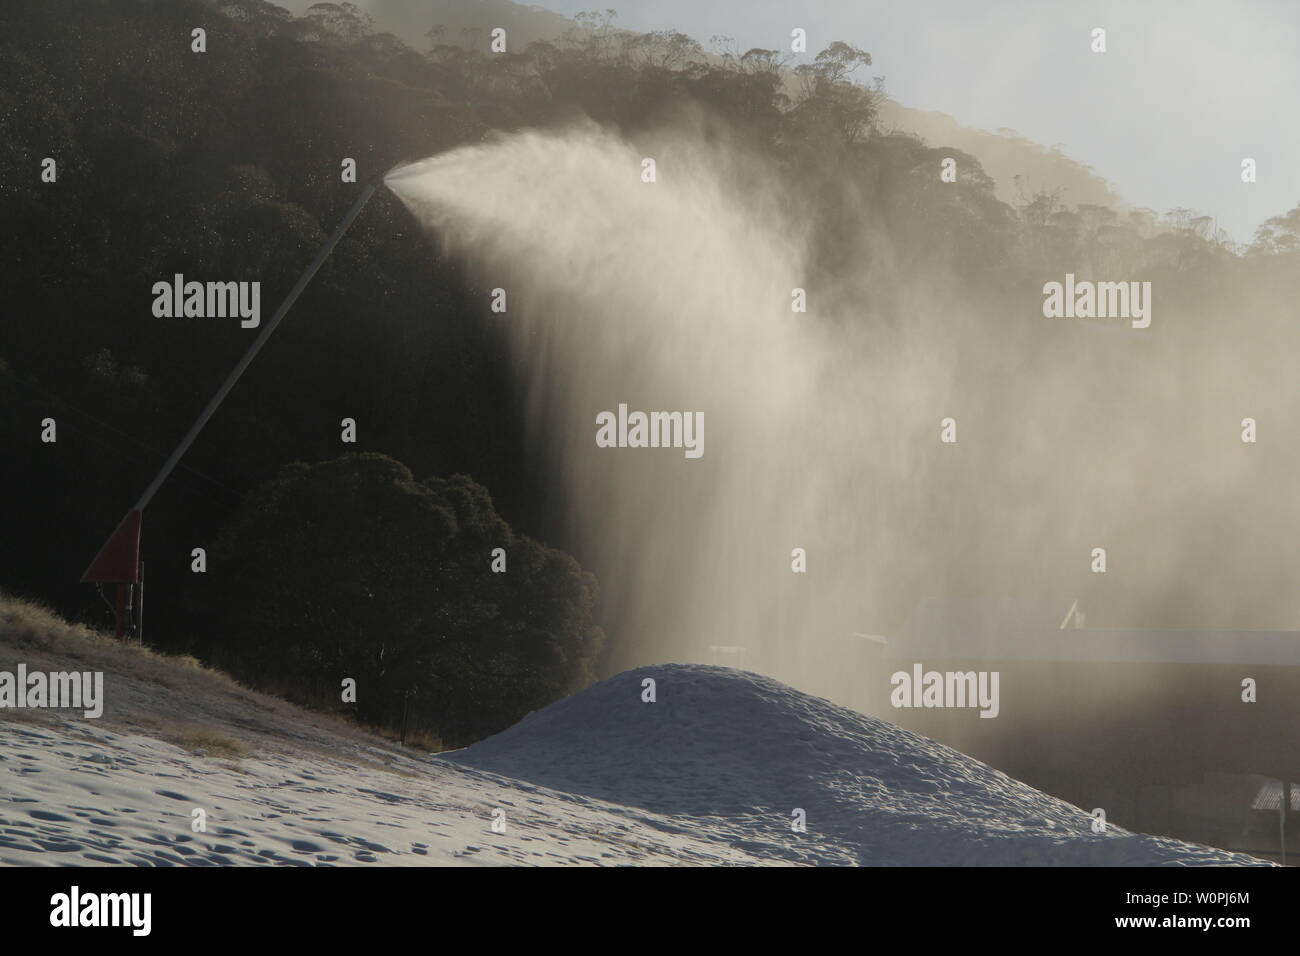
(47, 815)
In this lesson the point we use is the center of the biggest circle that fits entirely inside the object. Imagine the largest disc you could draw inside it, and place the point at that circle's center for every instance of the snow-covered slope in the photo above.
(730, 755)
(709, 773)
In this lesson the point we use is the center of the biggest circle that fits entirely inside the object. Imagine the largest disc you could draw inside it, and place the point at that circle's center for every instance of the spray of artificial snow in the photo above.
(821, 429)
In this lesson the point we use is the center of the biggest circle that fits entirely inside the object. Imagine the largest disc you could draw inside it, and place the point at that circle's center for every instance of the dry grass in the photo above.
(226, 719)
(23, 715)
(213, 743)
(419, 740)
(195, 738)
(25, 625)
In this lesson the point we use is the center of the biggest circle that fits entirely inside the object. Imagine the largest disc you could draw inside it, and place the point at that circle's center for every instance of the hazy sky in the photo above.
(1186, 89)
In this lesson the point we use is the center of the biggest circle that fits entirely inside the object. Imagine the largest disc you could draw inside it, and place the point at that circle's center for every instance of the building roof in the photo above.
(1041, 630)
(1270, 796)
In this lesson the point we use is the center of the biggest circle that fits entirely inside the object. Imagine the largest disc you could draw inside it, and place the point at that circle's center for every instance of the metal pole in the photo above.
(119, 610)
(366, 192)
(139, 612)
(1281, 817)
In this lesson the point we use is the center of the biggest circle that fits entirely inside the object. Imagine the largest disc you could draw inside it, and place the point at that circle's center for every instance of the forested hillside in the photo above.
(227, 164)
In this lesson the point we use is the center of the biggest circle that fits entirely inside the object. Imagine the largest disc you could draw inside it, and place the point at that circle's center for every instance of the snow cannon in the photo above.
(118, 561)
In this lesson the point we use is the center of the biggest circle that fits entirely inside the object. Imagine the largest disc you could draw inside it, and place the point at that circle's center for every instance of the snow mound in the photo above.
(730, 756)
(706, 776)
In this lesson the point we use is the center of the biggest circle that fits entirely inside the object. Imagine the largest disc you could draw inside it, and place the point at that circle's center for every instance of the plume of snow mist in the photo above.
(673, 295)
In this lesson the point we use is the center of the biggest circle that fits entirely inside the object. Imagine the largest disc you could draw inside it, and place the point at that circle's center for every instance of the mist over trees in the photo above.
(226, 164)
